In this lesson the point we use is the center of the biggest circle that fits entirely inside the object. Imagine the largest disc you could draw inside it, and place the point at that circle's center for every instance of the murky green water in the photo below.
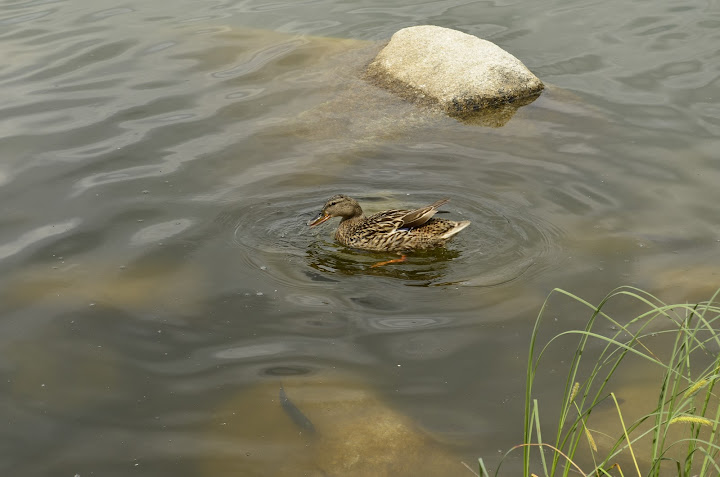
(159, 161)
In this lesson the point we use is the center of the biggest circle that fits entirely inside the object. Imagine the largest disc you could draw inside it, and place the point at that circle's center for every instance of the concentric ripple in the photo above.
(502, 243)
(505, 240)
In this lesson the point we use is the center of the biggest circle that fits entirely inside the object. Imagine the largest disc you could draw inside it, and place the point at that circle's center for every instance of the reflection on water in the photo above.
(424, 265)
(159, 162)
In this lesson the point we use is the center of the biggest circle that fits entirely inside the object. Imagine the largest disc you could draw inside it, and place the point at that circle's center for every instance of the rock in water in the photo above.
(459, 72)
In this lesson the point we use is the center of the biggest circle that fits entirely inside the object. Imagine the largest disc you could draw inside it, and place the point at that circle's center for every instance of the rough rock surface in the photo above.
(356, 434)
(459, 72)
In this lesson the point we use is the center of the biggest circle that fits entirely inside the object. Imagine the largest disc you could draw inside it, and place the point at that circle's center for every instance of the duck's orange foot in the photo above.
(395, 260)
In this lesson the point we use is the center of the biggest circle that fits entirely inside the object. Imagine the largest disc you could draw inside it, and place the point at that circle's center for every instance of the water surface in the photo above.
(159, 162)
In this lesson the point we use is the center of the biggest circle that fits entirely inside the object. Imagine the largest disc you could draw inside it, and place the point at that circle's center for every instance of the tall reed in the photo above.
(685, 394)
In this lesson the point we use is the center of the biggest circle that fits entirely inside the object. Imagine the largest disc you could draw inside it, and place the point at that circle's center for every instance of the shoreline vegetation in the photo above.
(677, 432)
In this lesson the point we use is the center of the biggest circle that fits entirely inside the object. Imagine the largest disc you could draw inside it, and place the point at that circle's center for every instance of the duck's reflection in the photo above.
(329, 258)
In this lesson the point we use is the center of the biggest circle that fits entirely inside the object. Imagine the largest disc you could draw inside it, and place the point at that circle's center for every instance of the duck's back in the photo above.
(385, 231)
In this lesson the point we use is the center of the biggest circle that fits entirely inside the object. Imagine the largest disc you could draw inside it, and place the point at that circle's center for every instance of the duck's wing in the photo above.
(417, 217)
(386, 222)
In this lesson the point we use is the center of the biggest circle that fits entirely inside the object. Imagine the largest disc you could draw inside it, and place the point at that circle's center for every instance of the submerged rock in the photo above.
(355, 434)
(459, 72)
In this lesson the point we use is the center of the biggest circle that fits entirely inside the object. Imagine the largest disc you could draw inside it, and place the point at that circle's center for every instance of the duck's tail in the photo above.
(455, 229)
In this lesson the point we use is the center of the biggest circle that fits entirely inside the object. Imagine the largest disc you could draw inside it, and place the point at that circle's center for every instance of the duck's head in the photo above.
(337, 206)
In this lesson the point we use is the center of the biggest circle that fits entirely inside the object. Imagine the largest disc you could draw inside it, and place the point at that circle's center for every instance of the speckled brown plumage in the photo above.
(391, 230)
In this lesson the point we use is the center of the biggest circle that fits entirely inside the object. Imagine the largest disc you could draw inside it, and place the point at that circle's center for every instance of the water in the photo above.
(159, 162)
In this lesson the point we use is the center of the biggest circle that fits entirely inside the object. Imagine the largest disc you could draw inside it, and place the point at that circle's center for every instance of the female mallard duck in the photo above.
(389, 231)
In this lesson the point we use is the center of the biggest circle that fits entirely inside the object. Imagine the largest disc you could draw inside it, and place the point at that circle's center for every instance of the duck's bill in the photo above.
(319, 220)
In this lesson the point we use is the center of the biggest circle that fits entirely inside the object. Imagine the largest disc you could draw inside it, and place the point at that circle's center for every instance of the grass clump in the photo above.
(679, 434)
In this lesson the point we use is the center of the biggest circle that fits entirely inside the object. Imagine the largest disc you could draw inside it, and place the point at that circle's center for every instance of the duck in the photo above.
(397, 230)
